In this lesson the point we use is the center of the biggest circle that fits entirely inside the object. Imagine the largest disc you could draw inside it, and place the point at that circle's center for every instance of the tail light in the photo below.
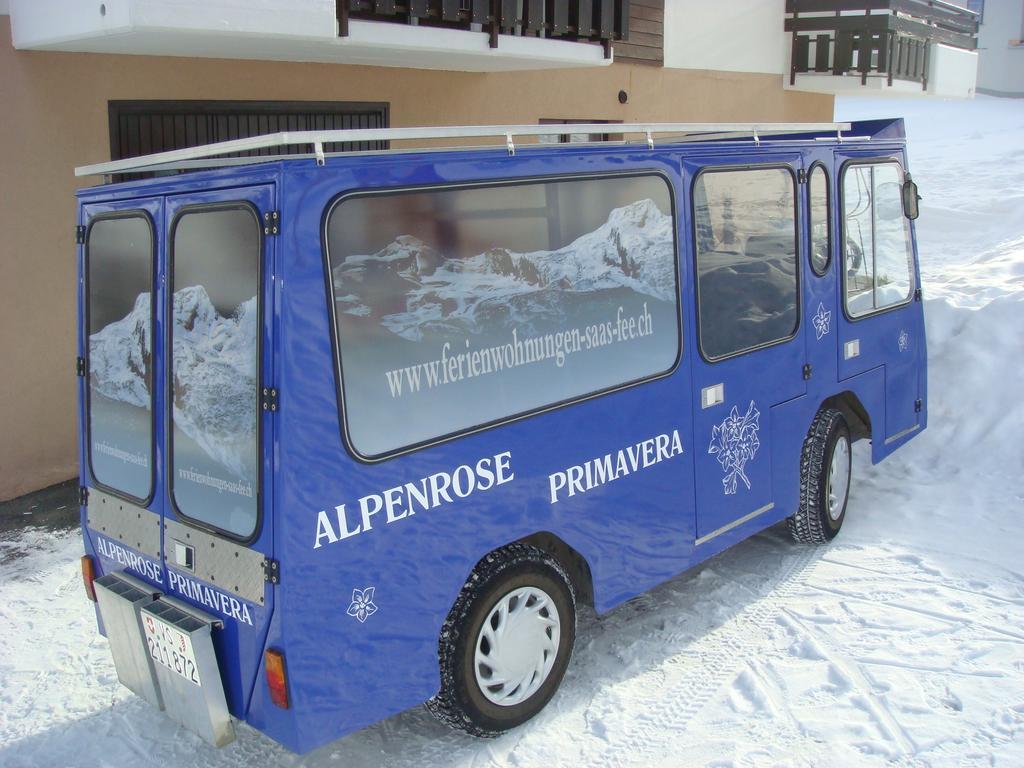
(277, 678)
(88, 577)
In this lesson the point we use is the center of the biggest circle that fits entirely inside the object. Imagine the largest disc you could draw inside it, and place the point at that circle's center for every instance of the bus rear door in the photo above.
(218, 532)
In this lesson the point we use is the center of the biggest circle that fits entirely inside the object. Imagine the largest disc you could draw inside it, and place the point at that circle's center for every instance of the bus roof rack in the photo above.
(212, 155)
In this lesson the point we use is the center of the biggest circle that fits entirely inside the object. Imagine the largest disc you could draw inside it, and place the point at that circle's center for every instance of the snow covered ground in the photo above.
(902, 642)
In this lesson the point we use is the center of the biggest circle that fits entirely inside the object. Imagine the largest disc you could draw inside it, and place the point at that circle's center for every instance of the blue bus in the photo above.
(364, 430)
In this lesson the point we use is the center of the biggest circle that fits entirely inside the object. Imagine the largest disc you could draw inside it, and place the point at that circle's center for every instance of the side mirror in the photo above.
(910, 199)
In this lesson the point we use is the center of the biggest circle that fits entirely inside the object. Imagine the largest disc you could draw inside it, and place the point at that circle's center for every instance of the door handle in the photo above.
(184, 556)
(713, 395)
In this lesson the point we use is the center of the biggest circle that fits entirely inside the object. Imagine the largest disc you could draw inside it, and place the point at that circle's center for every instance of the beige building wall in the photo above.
(54, 117)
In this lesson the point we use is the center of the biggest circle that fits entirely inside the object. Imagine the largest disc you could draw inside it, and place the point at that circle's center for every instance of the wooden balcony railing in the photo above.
(596, 21)
(875, 38)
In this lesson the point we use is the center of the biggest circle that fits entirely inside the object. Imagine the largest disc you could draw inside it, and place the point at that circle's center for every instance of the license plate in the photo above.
(171, 648)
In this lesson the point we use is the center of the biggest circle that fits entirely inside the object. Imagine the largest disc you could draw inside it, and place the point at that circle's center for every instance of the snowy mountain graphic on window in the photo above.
(120, 357)
(214, 384)
(412, 290)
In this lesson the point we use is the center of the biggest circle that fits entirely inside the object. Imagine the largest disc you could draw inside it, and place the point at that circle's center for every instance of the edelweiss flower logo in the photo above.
(821, 320)
(734, 442)
(904, 341)
(362, 606)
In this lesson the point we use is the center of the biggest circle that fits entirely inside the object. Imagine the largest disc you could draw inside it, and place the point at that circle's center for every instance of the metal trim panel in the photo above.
(904, 433)
(733, 524)
(132, 525)
(228, 565)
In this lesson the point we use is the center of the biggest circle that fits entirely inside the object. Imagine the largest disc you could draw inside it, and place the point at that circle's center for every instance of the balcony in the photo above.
(459, 35)
(905, 47)
(594, 21)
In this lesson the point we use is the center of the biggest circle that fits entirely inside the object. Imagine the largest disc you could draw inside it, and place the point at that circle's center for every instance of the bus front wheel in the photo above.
(825, 469)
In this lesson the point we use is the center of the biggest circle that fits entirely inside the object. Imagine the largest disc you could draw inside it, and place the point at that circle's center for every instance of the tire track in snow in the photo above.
(936, 669)
(932, 581)
(947, 616)
(1004, 724)
(785, 728)
(693, 676)
(978, 748)
(854, 675)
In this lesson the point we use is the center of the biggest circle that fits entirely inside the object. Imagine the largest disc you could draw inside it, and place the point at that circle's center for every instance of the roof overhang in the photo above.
(276, 30)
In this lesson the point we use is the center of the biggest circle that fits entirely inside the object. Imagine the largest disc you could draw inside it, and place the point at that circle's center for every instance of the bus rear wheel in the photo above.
(825, 470)
(506, 642)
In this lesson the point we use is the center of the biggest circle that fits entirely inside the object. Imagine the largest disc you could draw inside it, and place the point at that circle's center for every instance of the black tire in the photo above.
(812, 523)
(460, 703)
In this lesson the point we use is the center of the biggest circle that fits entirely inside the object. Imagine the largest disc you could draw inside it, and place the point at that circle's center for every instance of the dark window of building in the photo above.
(457, 308)
(145, 127)
(578, 138)
(745, 221)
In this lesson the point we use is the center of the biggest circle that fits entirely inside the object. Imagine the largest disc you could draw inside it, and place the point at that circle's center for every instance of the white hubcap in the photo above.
(838, 477)
(517, 646)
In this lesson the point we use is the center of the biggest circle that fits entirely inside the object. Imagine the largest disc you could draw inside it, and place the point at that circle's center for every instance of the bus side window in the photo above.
(819, 204)
(745, 222)
(879, 261)
(456, 308)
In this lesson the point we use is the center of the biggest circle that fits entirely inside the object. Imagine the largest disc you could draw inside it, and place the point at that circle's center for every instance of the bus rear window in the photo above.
(215, 333)
(460, 307)
(119, 288)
